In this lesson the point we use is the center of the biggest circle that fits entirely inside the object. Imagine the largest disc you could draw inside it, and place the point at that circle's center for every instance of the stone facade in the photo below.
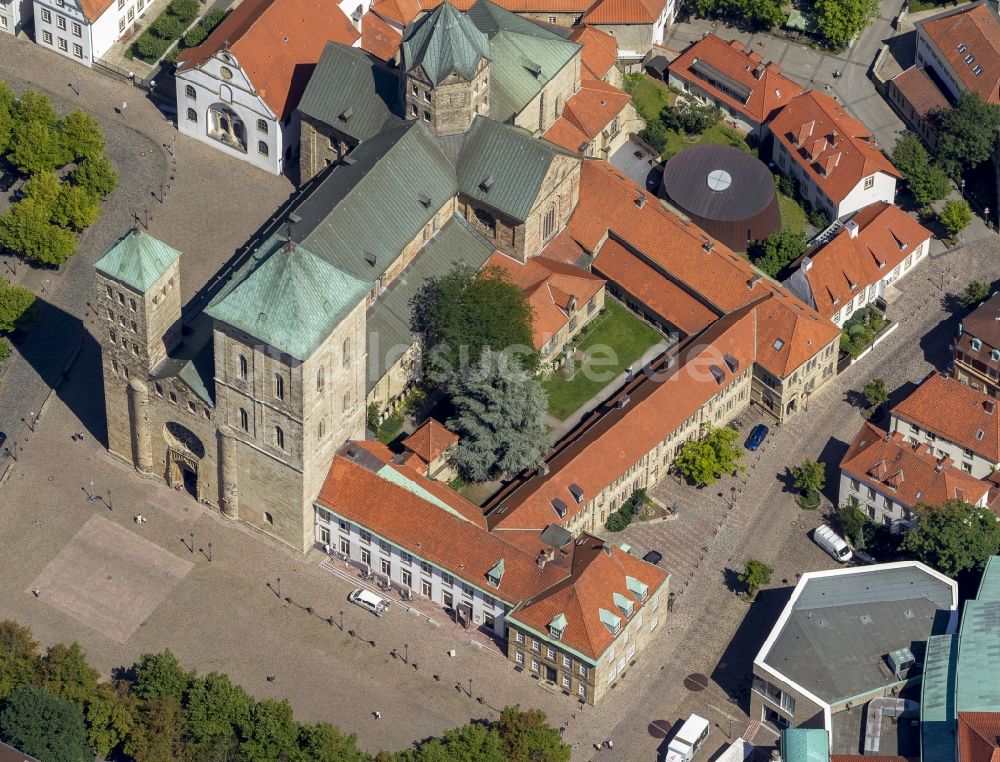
(542, 110)
(577, 320)
(783, 397)
(320, 145)
(546, 658)
(552, 17)
(449, 106)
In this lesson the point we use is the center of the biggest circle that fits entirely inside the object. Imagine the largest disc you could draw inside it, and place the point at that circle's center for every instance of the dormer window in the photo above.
(731, 362)
(638, 588)
(612, 622)
(494, 575)
(995, 354)
(560, 507)
(976, 345)
(624, 604)
(717, 373)
(557, 626)
(577, 492)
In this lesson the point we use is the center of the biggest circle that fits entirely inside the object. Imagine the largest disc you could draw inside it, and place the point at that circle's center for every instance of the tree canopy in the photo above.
(955, 215)
(778, 250)
(809, 477)
(43, 726)
(690, 117)
(954, 536)
(755, 575)
(926, 180)
(876, 392)
(840, 21)
(967, 133)
(15, 301)
(498, 416)
(462, 313)
(972, 295)
(748, 14)
(704, 460)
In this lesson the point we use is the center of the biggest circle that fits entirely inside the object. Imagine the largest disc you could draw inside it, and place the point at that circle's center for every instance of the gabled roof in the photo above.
(979, 736)
(588, 111)
(503, 167)
(549, 287)
(276, 43)
(137, 259)
(652, 406)
(401, 12)
(600, 51)
(789, 333)
(379, 38)
(910, 473)
(984, 322)
(968, 39)
(443, 42)
(598, 576)
(291, 301)
(430, 440)
(524, 57)
(836, 150)
(10, 754)
(956, 412)
(624, 12)
(351, 92)
(92, 9)
(920, 91)
(845, 266)
(712, 57)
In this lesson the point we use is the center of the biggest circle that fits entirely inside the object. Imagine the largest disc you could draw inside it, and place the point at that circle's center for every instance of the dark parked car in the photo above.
(654, 557)
(3, 438)
(756, 437)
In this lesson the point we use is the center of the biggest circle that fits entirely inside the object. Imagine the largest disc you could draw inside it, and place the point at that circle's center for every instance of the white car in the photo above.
(366, 599)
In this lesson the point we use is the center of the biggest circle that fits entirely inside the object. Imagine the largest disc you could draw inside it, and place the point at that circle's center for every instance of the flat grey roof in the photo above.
(840, 627)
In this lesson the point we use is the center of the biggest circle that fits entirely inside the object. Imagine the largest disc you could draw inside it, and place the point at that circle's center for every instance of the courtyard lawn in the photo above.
(720, 134)
(648, 96)
(792, 214)
(616, 328)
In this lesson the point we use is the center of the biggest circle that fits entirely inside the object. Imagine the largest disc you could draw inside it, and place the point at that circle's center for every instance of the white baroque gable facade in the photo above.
(63, 26)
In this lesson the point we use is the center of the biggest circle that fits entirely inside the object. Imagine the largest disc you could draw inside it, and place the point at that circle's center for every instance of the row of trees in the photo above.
(54, 707)
(15, 303)
(480, 354)
(837, 22)
(68, 174)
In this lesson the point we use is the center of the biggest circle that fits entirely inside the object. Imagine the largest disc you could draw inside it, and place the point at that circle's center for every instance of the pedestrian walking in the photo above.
(36, 592)
(124, 106)
(378, 714)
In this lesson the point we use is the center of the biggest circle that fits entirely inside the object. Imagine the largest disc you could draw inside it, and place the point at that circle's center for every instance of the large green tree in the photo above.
(158, 734)
(218, 712)
(18, 657)
(15, 301)
(498, 416)
(856, 526)
(755, 575)
(955, 215)
(967, 134)
(161, 676)
(464, 312)
(876, 392)
(974, 293)
(34, 106)
(527, 736)
(704, 460)
(324, 743)
(81, 136)
(43, 726)
(26, 230)
(6, 115)
(96, 176)
(809, 477)
(778, 250)
(34, 147)
(752, 14)
(954, 536)
(840, 21)
(273, 733)
(926, 180)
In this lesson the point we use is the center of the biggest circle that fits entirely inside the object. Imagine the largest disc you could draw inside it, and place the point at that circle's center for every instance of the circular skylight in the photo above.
(719, 179)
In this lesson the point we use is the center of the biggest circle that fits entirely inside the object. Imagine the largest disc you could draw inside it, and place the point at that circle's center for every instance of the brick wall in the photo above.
(320, 145)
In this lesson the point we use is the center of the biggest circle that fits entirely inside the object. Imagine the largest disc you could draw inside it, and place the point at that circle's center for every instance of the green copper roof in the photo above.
(390, 474)
(292, 300)
(805, 745)
(137, 260)
(636, 586)
(989, 585)
(503, 167)
(558, 622)
(351, 92)
(977, 687)
(611, 621)
(443, 42)
(625, 604)
(937, 699)
(524, 57)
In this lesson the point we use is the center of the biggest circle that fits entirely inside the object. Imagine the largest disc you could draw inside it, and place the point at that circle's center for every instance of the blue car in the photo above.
(756, 437)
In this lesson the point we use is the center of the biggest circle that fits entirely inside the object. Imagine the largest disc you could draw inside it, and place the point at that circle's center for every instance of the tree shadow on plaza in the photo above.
(47, 347)
(833, 452)
(734, 669)
(936, 343)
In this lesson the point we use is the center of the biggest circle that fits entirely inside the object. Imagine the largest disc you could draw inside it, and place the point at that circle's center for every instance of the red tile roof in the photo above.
(587, 113)
(836, 150)
(843, 268)
(976, 30)
(956, 412)
(548, 286)
(656, 291)
(430, 440)
(277, 43)
(624, 12)
(563, 248)
(400, 11)
(920, 91)
(910, 473)
(789, 333)
(609, 444)
(600, 51)
(92, 9)
(404, 11)
(769, 90)
(379, 38)
(596, 576)
(979, 737)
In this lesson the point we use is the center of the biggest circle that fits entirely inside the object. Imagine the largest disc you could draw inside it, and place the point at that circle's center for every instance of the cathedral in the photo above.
(244, 398)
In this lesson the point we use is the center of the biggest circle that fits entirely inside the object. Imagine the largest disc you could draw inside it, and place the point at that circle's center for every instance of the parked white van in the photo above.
(832, 543)
(366, 599)
(689, 738)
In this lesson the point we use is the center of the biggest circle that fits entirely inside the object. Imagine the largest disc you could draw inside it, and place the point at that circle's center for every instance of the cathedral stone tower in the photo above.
(446, 61)
(138, 304)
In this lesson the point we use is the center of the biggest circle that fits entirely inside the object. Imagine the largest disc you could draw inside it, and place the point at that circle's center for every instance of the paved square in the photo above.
(109, 578)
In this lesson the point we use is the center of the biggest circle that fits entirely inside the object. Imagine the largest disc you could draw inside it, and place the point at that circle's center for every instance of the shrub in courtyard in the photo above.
(755, 575)
(704, 460)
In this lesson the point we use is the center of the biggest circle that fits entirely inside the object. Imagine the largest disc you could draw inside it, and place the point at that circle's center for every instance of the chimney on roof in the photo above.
(623, 402)
(759, 71)
(708, 246)
(806, 264)
(852, 228)
(641, 201)
(990, 405)
(543, 468)
(606, 547)
(754, 280)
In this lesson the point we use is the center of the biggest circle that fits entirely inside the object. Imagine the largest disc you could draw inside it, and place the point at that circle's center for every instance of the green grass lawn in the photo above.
(792, 214)
(649, 96)
(617, 329)
(720, 134)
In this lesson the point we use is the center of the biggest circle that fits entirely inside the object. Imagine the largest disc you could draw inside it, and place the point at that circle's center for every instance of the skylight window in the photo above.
(970, 58)
(977, 70)
(494, 575)
(962, 47)
(980, 434)
(778, 344)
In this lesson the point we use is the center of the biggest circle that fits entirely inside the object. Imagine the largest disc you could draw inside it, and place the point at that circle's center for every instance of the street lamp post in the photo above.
(91, 495)
(109, 500)
(406, 652)
(279, 589)
(470, 687)
(210, 552)
(341, 621)
(192, 543)
(732, 492)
